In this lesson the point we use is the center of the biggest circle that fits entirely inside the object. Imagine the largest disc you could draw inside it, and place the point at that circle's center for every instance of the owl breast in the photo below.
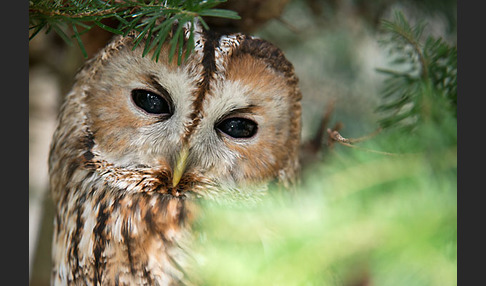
(140, 142)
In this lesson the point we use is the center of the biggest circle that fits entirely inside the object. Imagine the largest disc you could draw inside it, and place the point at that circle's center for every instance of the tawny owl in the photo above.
(140, 141)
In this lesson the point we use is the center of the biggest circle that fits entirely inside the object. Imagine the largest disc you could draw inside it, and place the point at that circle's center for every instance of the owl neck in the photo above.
(117, 226)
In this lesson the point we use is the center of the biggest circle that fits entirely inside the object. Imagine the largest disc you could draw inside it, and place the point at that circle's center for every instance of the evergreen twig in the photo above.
(425, 65)
(150, 18)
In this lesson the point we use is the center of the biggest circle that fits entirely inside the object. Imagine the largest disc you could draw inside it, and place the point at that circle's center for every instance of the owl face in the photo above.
(229, 114)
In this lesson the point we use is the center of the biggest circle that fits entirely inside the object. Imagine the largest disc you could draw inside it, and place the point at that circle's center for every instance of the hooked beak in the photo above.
(180, 166)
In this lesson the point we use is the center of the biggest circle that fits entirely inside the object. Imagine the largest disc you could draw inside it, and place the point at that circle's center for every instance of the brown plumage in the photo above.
(139, 142)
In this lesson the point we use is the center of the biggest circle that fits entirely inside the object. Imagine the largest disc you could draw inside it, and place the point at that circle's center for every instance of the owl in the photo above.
(140, 142)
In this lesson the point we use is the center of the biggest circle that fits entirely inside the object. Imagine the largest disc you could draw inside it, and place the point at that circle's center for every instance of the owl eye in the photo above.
(238, 127)
(150, 102)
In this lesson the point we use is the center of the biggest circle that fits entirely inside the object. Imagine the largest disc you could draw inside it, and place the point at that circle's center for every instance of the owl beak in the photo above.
(180, 166)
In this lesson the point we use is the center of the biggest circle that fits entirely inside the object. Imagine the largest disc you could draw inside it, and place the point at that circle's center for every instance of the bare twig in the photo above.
(366, 137)
(289, 26)
(311, 149)
(336, 137)
(316, 141)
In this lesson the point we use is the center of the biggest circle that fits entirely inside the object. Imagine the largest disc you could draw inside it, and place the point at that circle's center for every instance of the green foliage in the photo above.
(427, 75)
(389, 218)
(359, 218)
(154, 19)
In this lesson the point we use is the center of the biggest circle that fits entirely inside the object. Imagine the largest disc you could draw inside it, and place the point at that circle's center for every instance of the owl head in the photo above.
(228, 117)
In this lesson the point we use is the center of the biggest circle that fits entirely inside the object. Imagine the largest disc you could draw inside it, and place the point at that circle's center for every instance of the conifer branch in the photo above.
(401, 28)
(150, 18)
(404, 90)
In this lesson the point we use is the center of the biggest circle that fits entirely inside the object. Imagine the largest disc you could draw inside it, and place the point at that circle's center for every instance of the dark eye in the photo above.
(150, 102)
(238, 127)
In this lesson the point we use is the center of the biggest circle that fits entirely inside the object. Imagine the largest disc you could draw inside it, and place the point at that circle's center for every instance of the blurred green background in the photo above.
(360, 217)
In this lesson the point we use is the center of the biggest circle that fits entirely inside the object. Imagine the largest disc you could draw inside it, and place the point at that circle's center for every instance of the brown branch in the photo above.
(366, 137)
(289, 26)
(335, 136)
(316, 141)
(311, 149)
(330, 141)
